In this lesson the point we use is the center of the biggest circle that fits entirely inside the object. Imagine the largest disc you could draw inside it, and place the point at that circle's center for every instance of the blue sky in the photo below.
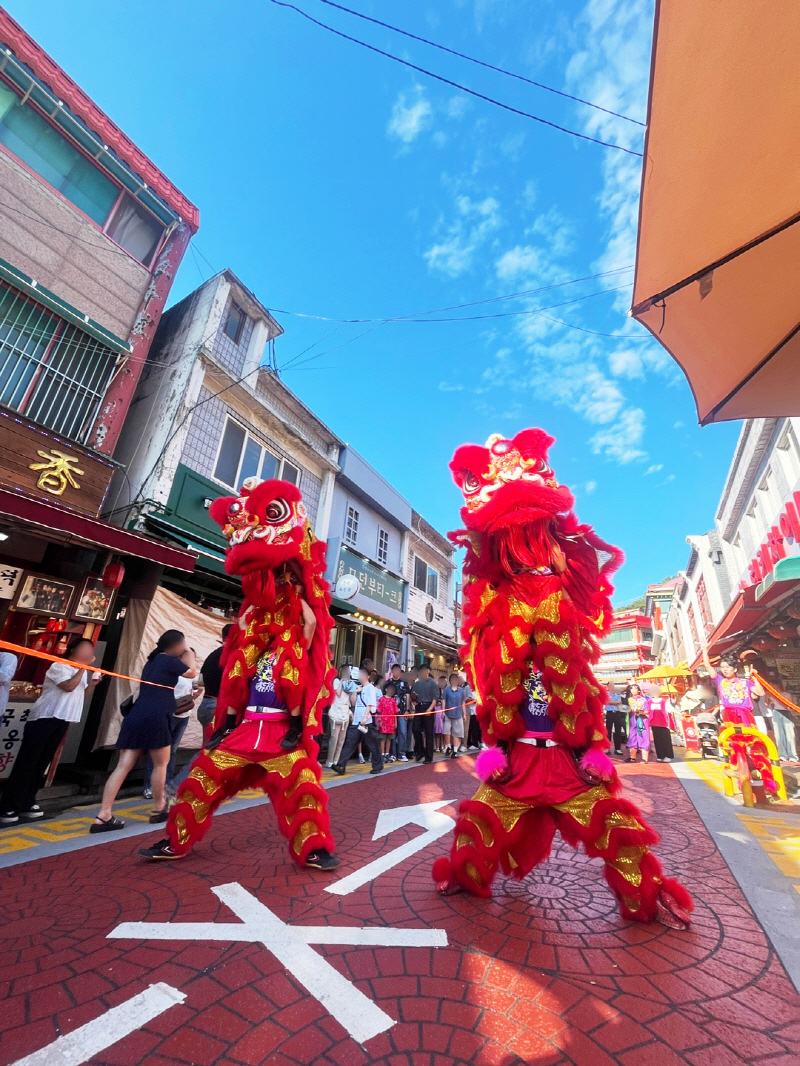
(341, 185)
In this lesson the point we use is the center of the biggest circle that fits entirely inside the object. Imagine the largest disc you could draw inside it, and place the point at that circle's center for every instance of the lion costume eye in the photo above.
(235, 508)
(277, 511)
(471, 482)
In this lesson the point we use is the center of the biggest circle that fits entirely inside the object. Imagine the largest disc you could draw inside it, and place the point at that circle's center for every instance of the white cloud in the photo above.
(557, 232)
(447, 386)
(475, 223)
(457, 106)
(517, 261)
(589, 487)
(677, 425)
(511, 146)
(621, 440)
(625, 363)
(654, 469)
(411, 115)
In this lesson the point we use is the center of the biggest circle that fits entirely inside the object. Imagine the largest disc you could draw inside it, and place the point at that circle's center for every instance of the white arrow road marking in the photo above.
(426, 815)
(89, 1040)
(290, 944)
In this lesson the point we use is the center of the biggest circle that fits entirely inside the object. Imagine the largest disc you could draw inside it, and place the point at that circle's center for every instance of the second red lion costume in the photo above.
(275, 661)
(536, 599)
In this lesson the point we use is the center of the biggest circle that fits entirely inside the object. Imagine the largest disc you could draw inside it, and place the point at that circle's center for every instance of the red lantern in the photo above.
(113, 575)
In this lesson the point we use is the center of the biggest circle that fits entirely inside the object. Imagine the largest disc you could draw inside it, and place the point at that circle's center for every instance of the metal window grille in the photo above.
(50, 371)
(351, 526)
(383, 547)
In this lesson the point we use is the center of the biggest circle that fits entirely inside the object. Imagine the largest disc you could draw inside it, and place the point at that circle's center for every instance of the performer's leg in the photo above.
(301, 805)
(613, 829)
(494, 831)
(214, 776)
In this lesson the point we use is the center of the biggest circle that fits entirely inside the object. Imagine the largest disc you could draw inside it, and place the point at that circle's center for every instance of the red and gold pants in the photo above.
(512, 825)
(251, 757)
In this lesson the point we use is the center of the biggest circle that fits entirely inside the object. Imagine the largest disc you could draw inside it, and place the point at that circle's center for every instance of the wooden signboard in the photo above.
(39, 463)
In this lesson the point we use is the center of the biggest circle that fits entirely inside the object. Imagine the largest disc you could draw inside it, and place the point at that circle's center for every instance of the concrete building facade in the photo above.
(430, 570)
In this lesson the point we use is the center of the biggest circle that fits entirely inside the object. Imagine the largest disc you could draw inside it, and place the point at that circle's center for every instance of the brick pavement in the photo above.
(544, 973)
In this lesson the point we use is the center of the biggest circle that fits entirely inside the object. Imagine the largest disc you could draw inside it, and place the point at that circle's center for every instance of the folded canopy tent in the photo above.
(717, 279)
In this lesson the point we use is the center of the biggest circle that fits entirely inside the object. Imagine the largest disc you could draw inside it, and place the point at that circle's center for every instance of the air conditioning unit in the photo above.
(658, 645)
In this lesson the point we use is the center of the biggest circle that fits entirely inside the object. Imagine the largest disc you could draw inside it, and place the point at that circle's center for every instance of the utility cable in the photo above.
(455, 84)
(482, 63)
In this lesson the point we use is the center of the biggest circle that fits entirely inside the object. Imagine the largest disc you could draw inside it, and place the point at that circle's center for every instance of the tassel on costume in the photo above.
(490, 762)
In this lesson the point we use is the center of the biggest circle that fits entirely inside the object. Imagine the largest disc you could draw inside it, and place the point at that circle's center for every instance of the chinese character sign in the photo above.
(9, 579)
(58, 472)
(374, 583)
(12, 726)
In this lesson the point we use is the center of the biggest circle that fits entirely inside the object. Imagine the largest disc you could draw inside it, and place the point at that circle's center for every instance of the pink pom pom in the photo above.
(490, 762)
(596, 762)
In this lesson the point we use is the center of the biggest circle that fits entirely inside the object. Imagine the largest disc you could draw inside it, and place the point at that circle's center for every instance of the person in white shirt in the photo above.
(60, 703)
(8, 667)
(340, 712)
(363, 727)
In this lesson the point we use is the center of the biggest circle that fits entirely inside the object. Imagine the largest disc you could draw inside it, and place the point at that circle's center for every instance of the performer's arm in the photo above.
(309, 623)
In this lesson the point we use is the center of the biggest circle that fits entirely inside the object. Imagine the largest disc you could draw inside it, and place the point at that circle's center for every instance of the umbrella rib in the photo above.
(645, 305)
(756, 369)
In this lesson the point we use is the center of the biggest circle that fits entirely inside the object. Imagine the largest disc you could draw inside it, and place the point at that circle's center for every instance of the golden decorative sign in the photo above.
(58, 472)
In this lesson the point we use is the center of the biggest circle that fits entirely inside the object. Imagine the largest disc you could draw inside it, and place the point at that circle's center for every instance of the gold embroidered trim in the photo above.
(544, 635)
(524, 610)
(511, 680)
(284, 763)
(306, 830)
(564, 692)
(251, 654)
(290, 673)
(555, 662)
(487, 836)
(508, 810)
(226, 760)
(628, 863)
(580, 807)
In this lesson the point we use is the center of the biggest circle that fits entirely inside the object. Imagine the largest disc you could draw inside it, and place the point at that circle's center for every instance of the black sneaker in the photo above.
(378, 771)
(293, 734)
(32, 815)
(321, 860)
(9, 818)
(160, 850)
(337, 769)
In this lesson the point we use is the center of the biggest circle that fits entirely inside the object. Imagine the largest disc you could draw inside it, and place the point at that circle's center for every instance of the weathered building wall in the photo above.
(47, 239)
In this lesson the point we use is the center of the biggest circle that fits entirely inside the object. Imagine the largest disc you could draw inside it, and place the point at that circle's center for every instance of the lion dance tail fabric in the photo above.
(275, 664)
(536, 599)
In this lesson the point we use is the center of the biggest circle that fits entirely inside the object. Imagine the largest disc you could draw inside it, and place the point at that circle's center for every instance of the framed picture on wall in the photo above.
(94, 602)
(38, 594)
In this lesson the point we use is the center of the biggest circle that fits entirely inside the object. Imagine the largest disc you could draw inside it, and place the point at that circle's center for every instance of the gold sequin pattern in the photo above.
(568, 721)
(615, 820)
(180, 825)
(564, 692)
(632, 904)
(306, 776)
(284, 763)
(505, 654)
(236, 670)
(524, 610)
(472, 872)
(306, 830)
(508, 810)
(487, 836)
(226, 760)
(251, 654)
(544, 635)
(505, 713)
(206, 782)
(580, 807)
(555, 662)
(307, 803)
(486, 597)
(464, 841)
(199, 806)
(628, 863)
(548, 608)
(290, 673)
(518, 637)
(511, 680)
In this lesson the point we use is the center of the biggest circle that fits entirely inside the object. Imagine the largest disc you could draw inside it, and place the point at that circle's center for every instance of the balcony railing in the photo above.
(50, 370)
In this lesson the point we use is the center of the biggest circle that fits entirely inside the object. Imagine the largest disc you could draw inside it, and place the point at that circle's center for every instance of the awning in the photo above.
(67, 526)
(743, 615)
(64, 310)
(423, 640)
(719, 221)
(208, 558)
(775, 583)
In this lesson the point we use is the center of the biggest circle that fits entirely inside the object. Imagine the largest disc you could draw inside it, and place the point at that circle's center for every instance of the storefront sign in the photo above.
(12, 726)
(788, 666)
(787, 528)
(10, 577)
(374, 583)
(41, 464)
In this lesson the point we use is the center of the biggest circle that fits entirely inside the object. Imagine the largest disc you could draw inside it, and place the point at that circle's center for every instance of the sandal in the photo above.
(110, 825)
(159, 816)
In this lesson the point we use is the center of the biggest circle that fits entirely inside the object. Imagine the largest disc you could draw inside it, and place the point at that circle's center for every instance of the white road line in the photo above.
(426, 815)
(89, 1040)
(291, 945)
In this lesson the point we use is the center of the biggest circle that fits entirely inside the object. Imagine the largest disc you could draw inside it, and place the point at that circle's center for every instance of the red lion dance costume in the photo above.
(269, 668)
(536, 600)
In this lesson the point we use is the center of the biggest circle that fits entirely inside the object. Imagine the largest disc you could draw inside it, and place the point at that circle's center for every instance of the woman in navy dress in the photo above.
(147, 727)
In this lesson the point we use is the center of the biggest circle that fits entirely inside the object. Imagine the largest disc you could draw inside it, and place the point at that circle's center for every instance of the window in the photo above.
(426, 579)
(619, 636)
(705, 607)
(351, 526)
(50, 371)
(693, 626)
(234, 320)
(45, 150)
(383, 547)
(242, 456)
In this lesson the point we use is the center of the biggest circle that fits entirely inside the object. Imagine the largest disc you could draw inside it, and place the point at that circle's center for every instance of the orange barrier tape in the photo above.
(774, 692)
(19, 650)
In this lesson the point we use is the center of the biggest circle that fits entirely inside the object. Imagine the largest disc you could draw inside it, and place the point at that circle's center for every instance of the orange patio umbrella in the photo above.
(717, 279)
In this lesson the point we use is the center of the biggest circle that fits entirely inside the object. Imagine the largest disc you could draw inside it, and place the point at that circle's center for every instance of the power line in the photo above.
(417, 317)
(455, 84)
(482, 63)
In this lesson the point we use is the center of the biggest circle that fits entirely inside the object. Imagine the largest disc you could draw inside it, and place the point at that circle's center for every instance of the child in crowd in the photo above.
(639, 729)
(387, 720)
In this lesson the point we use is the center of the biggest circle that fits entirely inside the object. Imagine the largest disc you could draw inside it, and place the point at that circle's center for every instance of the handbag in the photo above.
(125, 706)
(183, 705)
